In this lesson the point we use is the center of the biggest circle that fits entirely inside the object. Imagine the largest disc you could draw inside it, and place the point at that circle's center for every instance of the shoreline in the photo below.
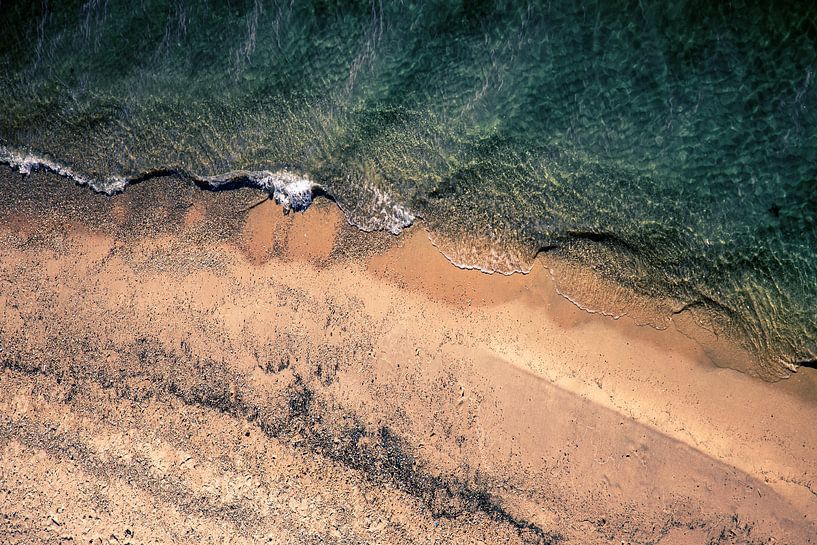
(417, 344)
(297, 193)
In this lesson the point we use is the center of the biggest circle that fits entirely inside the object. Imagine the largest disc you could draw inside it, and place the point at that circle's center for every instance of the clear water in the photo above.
(671, 147)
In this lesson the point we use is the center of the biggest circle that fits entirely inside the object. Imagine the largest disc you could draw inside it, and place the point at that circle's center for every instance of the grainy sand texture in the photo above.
(180, 366)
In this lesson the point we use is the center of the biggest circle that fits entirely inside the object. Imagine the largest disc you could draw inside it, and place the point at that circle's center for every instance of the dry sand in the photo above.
(178, 367)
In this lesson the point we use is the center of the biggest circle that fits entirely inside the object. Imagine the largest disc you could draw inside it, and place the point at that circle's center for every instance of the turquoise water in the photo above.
(671, 147)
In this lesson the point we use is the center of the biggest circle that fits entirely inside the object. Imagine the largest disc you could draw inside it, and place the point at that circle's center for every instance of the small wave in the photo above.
(26, 163)
(294, 192)
(485, 256)
(377, 210)
(588, 309)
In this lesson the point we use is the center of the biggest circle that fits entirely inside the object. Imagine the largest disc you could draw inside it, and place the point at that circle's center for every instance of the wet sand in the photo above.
(194, 367)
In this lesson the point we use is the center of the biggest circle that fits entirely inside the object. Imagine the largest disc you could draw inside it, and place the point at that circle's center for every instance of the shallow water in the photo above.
(673, 149)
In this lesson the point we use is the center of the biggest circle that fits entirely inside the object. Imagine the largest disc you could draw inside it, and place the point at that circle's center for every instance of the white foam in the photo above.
(291, 190)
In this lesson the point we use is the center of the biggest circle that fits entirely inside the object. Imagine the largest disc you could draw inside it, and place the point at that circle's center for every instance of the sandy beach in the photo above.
(183, 366)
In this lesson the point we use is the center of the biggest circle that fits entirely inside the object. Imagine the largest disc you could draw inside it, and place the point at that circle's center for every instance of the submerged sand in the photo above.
(183, 366)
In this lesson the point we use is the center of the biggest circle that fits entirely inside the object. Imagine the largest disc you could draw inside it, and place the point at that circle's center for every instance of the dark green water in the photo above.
(671, 146)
